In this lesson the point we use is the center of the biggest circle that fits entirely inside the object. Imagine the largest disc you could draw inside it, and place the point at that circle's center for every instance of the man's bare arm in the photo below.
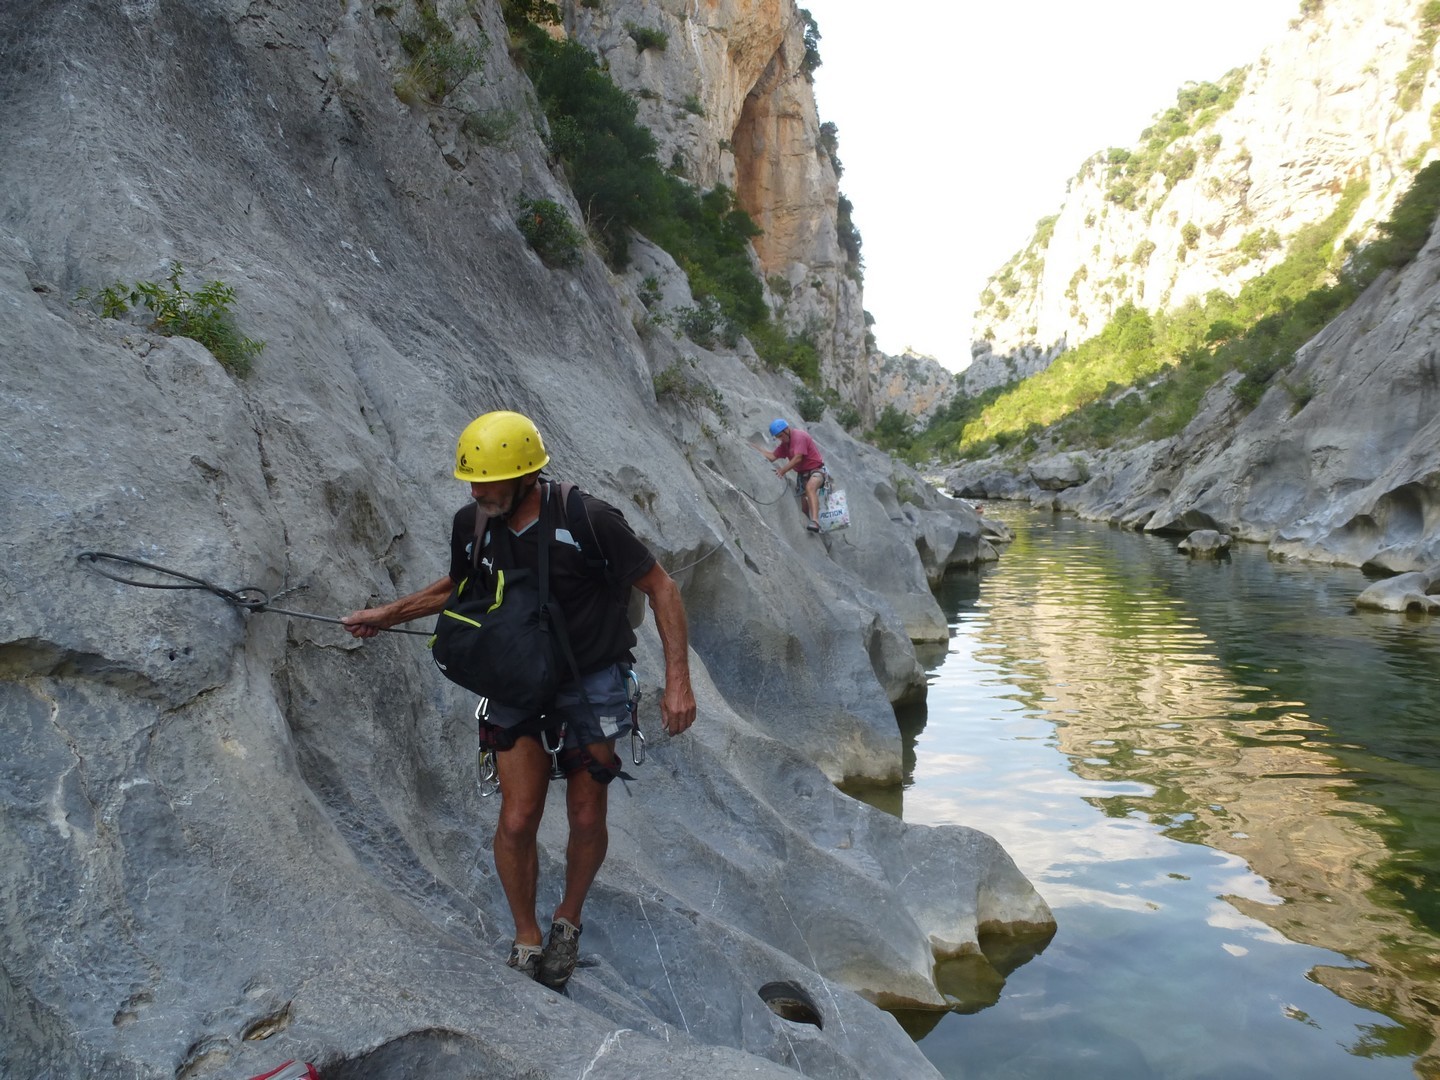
(430, 600)
(677, 702)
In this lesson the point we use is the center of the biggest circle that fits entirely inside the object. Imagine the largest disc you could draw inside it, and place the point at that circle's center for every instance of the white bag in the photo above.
(834, 511)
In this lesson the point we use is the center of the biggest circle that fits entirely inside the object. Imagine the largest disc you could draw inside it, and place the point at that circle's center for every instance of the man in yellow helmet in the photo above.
(501, 454)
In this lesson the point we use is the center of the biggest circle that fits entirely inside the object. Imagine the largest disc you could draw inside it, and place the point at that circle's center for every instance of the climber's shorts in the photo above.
(605, 719)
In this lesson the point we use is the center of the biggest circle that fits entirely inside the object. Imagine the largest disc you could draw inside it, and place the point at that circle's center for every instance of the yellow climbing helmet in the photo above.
(499, 446)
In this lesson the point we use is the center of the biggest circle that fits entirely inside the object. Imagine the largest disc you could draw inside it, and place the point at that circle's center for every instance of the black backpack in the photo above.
(511, 645)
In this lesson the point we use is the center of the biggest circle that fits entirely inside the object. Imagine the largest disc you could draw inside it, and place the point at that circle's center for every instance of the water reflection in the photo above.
(1226, 758)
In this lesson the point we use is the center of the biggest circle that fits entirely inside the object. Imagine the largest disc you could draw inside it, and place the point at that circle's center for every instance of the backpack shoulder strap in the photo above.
(482, 521)
(577, 519)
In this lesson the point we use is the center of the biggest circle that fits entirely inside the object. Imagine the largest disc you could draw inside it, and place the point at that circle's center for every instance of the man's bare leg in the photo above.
(524, 772)
(812, 496)
(586, 802)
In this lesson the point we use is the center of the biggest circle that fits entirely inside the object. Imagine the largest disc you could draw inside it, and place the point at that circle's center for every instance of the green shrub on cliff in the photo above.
(647, 37)
(548, 229)
(203, 315)
(437, 61)
(609, 159)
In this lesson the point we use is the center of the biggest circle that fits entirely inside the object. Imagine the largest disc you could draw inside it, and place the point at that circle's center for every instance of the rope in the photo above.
(247, 598)
(785, 489)
(698, 561)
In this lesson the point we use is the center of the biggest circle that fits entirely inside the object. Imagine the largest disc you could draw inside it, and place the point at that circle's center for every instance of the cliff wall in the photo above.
(1345, 98)
(1339, 462)
(730, 102)
(229, 839)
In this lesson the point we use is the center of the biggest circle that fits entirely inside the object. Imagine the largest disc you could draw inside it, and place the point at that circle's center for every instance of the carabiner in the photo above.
(487, 770)
(556, 773)
(632, 702)
(488, 773)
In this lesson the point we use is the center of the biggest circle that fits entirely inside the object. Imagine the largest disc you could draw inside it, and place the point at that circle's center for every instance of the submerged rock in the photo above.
(1412, 592)
(1205, 544)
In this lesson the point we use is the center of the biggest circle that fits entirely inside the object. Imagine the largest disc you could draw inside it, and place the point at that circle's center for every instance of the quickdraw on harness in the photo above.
(553, 741)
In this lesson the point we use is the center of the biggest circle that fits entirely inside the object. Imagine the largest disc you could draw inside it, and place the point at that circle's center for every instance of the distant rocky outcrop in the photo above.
(729, 100)
(915, 385)
(1338, 463)
(1218, 186)
(989, 369)
(230, 839)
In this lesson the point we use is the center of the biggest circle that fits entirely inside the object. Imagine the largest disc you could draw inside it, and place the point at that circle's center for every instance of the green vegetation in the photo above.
(1411, 82)
(490, 126)
(522, 16)
(893, 432)
(649, 291)
(811, 60)
(942, 435)
(548, 229)
(810, 405)
(609, 159)
(1197, 105)
(1144, 374)
(830, 143)
(647, 37)
(677, 384)
(1254, 245)
(1028, 264)
(202, 316)
(1405, 233)
(795, 352)
(437, 61)
(849, 237)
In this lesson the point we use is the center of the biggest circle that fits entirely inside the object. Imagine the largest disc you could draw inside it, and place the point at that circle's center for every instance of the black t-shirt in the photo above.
(593, 599)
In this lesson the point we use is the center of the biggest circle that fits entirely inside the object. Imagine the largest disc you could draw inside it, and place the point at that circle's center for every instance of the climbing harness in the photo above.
(487, 770)
(246, 598)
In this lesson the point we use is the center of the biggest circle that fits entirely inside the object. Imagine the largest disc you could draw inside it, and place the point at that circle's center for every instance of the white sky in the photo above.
(960, 124)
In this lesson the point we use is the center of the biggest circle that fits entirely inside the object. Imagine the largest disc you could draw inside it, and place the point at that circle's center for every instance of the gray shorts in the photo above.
(605, 719)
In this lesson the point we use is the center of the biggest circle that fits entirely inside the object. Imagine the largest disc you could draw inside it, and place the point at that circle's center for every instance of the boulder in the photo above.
(1205, 544)
(1410, 592)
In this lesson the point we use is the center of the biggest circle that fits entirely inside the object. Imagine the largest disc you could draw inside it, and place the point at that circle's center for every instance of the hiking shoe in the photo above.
(561, 953)
(525, 959)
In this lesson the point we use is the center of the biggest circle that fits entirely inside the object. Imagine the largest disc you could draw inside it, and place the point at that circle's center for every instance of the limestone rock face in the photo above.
(729, 102)
(1339, 462)
(232, 838)
(1345, 96)
(918, 386)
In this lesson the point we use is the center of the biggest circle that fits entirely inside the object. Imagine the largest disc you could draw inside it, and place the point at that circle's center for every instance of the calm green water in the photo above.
(1226, 783)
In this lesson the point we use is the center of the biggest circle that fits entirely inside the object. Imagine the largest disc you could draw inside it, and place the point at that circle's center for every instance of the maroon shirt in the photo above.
(802, 444)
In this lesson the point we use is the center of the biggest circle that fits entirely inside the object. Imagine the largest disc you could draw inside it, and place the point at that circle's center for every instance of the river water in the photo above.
(1223, 778)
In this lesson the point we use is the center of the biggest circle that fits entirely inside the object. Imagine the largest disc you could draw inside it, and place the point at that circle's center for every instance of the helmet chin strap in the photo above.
(517, 496)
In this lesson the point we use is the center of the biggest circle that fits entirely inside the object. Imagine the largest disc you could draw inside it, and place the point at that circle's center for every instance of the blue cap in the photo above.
(776, 426)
